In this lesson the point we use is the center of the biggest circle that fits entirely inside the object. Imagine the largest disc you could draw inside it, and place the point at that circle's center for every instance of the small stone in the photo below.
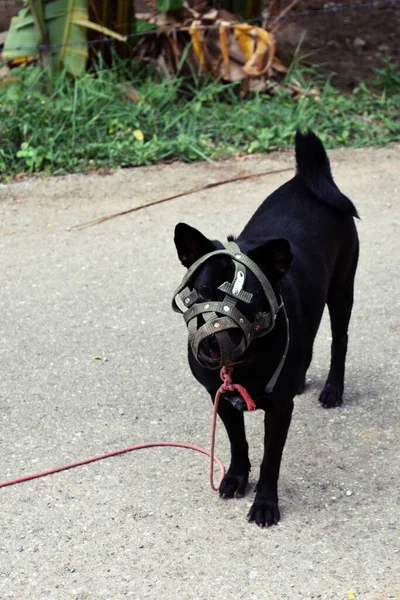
(349, 493)
(20, 548)
(333, 44)
(359, 45)
(121, 411)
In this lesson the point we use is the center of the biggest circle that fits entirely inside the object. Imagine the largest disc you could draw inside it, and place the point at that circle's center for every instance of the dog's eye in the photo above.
(205, 292)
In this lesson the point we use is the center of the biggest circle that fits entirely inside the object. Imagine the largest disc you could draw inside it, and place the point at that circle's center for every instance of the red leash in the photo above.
(226, 386)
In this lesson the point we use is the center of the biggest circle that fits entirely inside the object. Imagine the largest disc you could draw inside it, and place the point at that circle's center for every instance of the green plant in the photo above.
(388, 76)
(119, 118)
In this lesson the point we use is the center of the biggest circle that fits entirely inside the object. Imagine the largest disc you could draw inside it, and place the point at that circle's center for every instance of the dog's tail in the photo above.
(314, 169)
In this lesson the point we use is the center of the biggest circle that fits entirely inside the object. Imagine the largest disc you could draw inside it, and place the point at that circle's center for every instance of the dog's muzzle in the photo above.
(219, 333)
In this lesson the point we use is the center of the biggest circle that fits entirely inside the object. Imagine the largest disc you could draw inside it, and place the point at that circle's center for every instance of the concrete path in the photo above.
(92, 359)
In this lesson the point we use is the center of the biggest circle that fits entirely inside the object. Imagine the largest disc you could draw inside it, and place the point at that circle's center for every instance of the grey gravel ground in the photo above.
(146, 525)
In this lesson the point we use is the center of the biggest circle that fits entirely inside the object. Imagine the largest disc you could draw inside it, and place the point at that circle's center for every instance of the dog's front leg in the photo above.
(264, 510)
(235, 481)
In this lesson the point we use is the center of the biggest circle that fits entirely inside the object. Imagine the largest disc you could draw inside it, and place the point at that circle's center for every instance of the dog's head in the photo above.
(230, 307)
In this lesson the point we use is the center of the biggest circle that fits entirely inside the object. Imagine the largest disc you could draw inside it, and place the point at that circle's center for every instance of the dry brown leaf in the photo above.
(199, 47)
(278, 65)
(261, 59)
(220, 45)
(245, 39)
(172, 39)
(132, 94)
(224, 40)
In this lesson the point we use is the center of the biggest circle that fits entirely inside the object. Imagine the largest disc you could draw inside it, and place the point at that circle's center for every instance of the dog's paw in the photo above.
(331, 396)
(233, 484)
(264, 512)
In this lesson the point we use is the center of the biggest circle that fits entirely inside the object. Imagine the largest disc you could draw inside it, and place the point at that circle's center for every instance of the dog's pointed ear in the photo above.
(274, 257)
(191, 244)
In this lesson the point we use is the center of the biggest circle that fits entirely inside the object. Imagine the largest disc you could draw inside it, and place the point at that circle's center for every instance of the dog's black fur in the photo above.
(304, 238)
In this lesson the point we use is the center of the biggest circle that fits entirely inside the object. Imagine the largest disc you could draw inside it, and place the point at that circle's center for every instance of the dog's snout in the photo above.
(210, 347)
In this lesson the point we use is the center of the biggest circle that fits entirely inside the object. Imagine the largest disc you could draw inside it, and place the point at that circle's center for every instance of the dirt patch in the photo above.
(7, 10)
(350, 42)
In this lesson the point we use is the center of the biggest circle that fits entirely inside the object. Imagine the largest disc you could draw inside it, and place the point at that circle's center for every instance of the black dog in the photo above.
(303, 237)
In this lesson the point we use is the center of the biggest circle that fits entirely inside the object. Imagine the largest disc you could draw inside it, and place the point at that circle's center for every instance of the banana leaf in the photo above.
(60, 24)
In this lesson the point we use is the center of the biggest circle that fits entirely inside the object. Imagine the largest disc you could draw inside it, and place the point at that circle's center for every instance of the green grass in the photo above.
(90, 123)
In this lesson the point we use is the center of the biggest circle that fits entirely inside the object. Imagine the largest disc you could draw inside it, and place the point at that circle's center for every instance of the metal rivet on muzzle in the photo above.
(187, 301)
(217, 325)
(226, 308)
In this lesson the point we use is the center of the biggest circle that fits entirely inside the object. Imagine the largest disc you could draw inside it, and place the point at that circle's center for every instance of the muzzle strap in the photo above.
(269, 388)
(228, 288)
(222, 339)
(208, 323)
(224, 308)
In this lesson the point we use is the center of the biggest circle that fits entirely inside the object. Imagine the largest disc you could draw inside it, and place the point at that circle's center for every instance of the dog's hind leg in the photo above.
(340, 303)
(236, 478)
